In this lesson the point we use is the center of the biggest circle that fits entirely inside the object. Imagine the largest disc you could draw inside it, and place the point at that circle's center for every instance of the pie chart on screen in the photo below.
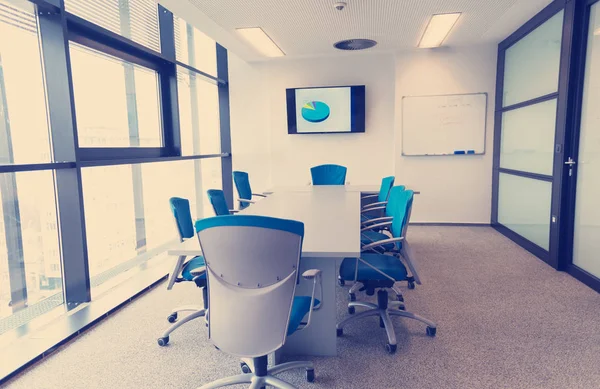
(315, 111)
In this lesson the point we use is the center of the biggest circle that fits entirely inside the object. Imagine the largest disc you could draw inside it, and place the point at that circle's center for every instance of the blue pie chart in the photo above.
(315, 111)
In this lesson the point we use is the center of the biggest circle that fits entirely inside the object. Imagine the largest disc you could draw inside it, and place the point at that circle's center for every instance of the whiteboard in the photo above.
(444, 125)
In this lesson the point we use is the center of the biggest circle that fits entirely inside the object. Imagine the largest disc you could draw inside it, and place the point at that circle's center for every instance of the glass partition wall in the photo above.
(547, 137)
(107, 109)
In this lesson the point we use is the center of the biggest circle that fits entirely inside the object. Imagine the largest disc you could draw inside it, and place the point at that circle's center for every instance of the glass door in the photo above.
(584, 164)
(527, 117)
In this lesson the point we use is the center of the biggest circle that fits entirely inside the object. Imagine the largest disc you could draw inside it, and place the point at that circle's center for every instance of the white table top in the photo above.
(312, 188)
(331, 217)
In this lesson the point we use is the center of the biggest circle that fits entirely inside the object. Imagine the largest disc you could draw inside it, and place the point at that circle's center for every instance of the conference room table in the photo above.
(331, 217)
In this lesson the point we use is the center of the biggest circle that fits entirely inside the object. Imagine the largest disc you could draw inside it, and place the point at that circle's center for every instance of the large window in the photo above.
(30, 261)
(23, 124)
(102, 120)
(117, 102)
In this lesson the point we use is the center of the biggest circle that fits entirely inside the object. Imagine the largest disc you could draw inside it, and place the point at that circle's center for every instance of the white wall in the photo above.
(455, 189)
(367, 156)
(250, 137)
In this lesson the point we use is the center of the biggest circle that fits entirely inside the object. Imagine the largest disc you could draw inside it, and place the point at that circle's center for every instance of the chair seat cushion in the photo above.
(388, 264)
(187, 273)
(371, 236)
(300, 307)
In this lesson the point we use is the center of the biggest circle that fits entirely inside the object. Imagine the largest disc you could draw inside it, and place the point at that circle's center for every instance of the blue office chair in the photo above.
(382, 197)
(372, 229)
(378, 229)
(192, 270)
(328, 175)
(256, 288)
(242, 184)
(218, 202)
(374, 270)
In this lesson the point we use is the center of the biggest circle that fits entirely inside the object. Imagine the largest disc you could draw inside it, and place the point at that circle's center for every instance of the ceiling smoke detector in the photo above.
(354, 44)
(340, 5)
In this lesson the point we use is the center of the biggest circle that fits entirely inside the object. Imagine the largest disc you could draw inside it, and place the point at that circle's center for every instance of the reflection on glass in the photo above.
(528, 138)
(127, 214)
(198, 114)
(194, 48)
(524, 207)
(116, 102)
(24, 136)
(532, 64)
(586, 244)
(30, 265)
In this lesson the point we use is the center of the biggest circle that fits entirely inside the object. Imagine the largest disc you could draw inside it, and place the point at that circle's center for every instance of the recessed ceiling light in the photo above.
(438, 29)
(260, 41)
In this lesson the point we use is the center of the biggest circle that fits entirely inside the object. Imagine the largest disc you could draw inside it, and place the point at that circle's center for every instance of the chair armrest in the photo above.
(259, 194)
(246, 201)
(377, 226)
(381, 243)
(377, 204)
(315, 275)
(377, 220)
(371, 209)
(370, 196)
(176, 270)
(311, 274)
(416, 192)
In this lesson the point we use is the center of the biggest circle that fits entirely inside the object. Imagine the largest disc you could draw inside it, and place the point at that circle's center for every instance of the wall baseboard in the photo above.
(434, 224)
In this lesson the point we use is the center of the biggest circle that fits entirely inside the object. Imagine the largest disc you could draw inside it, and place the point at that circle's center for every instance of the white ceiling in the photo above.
(310, 27)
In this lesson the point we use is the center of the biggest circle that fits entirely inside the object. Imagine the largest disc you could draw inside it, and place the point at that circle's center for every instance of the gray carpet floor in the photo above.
(505, 320)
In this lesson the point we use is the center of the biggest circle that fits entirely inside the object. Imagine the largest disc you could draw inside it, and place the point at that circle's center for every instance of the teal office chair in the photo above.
(328, 175)
(242, 184)
(378, 229)
(256, 287)
(374, 270)
(218, 202)
(369, 235)
(192, 270)
(382, 197)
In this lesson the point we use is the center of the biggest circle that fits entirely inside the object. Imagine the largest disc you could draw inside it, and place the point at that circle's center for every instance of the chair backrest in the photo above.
(390, 207)
(242, 184)
(218, 202)
(386, 185)
(183, 217)
(403, 205)
(252, 267)
(328, 175)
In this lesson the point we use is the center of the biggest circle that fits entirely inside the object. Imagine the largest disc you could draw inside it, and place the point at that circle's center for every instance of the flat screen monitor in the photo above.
(326, 110)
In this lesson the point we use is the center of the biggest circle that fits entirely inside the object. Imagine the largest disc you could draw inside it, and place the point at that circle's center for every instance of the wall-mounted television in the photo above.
(326, 110)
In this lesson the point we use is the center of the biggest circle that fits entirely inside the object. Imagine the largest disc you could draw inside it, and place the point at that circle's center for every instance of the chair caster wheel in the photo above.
(402, 307)
(217, 348)
(310, 375)
(341, 282)
(352, 297)
(163, 341)
(400, 298)
(339, 331)
(245, 368)
(390, 348)
(381, 324)
(351, 310)
(411, 285)
(172, 318)
(431, 331)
